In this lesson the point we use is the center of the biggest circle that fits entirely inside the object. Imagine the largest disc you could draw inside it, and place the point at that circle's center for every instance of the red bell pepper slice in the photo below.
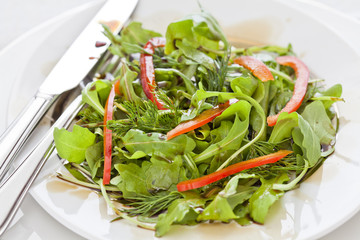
(117, 87)
(148, 72)
(109, 108)
(200, 120)
(256, 67)
(302, 78)
(235, 168)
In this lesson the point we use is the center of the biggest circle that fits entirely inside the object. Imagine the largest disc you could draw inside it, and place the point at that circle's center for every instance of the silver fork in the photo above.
(15, 187)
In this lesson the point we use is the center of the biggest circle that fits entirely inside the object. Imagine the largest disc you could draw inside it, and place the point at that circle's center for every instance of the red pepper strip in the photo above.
(302, 78)
(238, 167)
(117, 87)
(109, 107)
(148, 72)
(257, 67)
(200, 120)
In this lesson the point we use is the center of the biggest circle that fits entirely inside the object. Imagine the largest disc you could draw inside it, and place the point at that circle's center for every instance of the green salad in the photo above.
(186, 128)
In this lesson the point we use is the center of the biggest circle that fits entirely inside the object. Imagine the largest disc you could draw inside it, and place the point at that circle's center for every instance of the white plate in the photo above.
(323, 202)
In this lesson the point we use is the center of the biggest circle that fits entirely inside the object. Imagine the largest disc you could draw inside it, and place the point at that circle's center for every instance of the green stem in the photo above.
(260, 110)
(292, 184)
(282, 75)
(121, 214)
(85, 184)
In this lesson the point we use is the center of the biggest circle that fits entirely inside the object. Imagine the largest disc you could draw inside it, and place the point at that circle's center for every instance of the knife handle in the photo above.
(15, 187)
(12, 140)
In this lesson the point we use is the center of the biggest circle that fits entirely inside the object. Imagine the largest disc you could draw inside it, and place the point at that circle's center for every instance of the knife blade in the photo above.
(66, 75)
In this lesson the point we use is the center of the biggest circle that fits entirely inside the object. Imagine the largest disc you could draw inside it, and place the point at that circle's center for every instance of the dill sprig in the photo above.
(151, 205)
(146, 118)
(89, 115)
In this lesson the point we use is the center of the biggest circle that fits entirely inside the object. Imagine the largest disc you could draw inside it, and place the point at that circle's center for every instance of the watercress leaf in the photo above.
(261, 201)
(315, 115)
(72, 145)
(156, 144)
(284, 126)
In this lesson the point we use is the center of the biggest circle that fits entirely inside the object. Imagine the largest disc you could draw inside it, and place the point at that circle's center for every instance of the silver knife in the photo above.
(66, 75)
(16, 186)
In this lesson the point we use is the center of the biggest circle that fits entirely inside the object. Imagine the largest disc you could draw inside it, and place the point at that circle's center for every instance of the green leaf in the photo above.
(199, 57)
(91, 97)
(284, 126)
(94, 155)
(178, 30)
(247, 84)
(315, 115)
(127, 78)
(231, 142)
(261, 201)
(177, 212)
(103, 88)
(133, 179)
(306, 138)
(131, 40)
(162, 175)
(72, 145)
(241, 108)
(155, 144)
(334, 91)
(219, 209)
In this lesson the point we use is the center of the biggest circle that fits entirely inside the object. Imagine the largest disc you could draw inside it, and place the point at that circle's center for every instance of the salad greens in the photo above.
(194, 73)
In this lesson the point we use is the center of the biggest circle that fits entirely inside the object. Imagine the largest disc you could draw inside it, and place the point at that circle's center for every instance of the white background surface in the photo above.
(19, 16)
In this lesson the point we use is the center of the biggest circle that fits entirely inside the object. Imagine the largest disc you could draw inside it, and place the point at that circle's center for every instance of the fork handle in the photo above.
(15, 187)
(13, 139)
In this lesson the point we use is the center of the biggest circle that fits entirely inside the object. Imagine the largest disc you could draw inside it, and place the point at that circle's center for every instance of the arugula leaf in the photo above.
(284, 126)
(131, 40)
(133, 179)
(72, 145)
(247, 83)
(199, 57)
(94, 156)
(308, 141)
(265, 197)
(315, 115)
(231, 142)
(220, 209)
(177, 212)
(155, 144)
(162, 175)
(127, 78)
(95, 94)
